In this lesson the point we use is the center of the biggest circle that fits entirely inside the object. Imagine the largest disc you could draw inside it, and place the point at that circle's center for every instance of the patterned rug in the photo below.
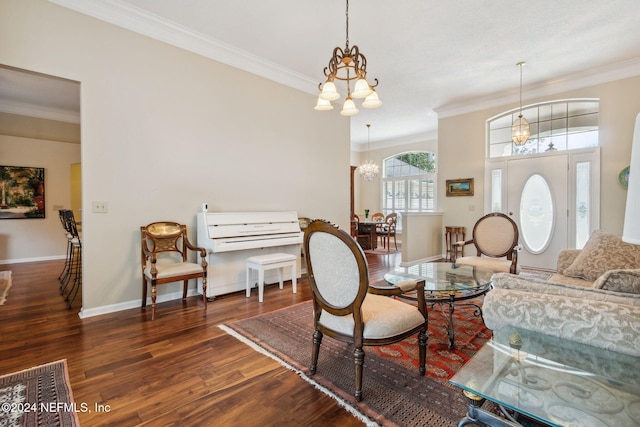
(5, 284)
(393, 392)
(39, 396)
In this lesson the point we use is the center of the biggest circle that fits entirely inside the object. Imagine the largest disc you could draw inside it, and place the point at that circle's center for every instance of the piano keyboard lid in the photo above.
(239, 224)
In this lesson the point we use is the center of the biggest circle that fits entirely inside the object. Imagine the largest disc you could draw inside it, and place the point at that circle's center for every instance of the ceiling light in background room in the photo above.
(347, 65)
(368, 169)
(520, 129)
(631, 230)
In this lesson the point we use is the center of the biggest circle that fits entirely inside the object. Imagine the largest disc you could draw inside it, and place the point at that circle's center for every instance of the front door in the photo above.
(537, 190)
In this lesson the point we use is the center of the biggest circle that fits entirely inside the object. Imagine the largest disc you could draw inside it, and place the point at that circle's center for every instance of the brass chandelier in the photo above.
(520, 129)
(347, 64)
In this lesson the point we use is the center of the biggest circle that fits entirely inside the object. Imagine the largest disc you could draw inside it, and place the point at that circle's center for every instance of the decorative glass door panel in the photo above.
(537, 214)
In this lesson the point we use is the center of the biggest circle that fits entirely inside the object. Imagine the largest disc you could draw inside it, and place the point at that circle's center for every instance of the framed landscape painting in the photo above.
(21, 192)
(460, 187)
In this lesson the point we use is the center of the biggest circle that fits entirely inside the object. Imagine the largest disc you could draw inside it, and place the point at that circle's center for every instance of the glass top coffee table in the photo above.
(551, 380)
(445, 283)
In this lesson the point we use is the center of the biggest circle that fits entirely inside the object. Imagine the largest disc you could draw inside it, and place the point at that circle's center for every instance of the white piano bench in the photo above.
(261, 263)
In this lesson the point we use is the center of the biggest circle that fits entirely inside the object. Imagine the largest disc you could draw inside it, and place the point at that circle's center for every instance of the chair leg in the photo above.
(144, 292)
(184, 290)
(66, 261)
(204, 289)
(153, 300)
(358, 357)
(76, 287)
(73, 262)
(77, 279)
(422, 351)
(317, 340)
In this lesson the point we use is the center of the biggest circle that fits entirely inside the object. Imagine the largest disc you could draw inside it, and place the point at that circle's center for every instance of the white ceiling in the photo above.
(432, 57)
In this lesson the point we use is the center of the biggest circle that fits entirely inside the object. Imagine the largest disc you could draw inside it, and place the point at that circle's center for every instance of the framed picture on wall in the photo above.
(460, 187)
(21, 192)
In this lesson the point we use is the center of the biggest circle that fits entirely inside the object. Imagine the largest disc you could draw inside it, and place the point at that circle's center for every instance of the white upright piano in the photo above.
(232, 237)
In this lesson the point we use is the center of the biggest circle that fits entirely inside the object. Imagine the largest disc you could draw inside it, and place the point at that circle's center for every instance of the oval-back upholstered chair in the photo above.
(165, 248)
(495, 236)
(346, 307)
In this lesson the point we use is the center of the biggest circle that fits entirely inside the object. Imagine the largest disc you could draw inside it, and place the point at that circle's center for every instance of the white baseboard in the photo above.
(21, 260)
(127, 305)
(418, 261)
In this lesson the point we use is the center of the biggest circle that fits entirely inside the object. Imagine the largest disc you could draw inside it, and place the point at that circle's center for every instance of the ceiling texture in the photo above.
(433, 58)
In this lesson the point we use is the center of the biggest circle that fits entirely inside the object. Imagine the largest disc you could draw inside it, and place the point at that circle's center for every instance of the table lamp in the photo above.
(631, 231)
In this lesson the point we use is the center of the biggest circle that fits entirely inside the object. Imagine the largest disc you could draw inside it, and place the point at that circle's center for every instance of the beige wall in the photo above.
(36, 239)
(461, 151)
(165, 130)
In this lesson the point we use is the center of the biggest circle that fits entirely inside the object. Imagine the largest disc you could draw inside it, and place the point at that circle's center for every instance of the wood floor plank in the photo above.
(180, 369)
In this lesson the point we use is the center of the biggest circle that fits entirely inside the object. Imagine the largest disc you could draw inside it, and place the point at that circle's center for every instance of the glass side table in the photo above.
(550, 380)
(445, 283)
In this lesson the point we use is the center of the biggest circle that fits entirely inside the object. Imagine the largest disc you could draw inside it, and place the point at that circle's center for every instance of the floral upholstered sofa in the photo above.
(593, 298)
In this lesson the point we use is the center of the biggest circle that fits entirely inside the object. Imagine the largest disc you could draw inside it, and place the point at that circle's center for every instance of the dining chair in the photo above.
(355, 223)
(378, 219)
(388, 230)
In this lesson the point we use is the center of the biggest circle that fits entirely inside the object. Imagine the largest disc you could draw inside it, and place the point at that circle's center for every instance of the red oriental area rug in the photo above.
(393, 392)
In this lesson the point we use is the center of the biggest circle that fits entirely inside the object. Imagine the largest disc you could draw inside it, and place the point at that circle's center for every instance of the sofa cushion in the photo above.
(539, 287)
(602, 252)
(620, 281)
(603, 324)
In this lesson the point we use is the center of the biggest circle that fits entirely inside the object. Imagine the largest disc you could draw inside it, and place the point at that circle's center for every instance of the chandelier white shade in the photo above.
(347, 65)
(520, 130)
(368, 169)
(349, 108)
(323, 105)
(631, 231)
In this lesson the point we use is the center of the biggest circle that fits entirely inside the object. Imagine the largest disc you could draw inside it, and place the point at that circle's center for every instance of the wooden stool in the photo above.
(267, 262)
(452, 234)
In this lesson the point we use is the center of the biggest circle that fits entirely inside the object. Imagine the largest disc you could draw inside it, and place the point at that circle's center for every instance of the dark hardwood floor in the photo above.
(179, 369)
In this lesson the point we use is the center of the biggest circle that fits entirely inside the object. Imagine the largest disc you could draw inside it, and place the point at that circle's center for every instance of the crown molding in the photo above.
(596, 76)
(40, 112)
(134, 19)
(430, 136)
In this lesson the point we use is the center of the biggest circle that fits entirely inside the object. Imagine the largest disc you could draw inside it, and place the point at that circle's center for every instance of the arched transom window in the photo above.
(554, 125)
(409, 182)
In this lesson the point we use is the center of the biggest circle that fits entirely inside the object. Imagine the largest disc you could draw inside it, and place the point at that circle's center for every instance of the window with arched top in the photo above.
(409, 182)
(554, 125)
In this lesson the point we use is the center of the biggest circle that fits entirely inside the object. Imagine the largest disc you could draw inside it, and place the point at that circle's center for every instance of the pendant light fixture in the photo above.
(520, 129)
(368, 169)
(347, 65)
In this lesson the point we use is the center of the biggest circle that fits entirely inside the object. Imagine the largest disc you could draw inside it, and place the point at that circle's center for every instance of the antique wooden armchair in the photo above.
(164, 260)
